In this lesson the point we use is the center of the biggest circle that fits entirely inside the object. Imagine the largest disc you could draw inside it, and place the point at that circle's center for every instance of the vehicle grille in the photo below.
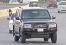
(40, 25)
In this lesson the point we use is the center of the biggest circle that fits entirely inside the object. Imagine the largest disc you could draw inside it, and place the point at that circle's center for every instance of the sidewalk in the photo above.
(3, 17)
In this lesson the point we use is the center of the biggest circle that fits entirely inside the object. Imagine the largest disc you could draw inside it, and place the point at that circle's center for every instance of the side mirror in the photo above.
(53, 17)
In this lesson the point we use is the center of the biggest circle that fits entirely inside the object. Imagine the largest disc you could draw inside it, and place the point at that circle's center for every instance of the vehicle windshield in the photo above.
(63, 3)
(33, 4)
(35, 14)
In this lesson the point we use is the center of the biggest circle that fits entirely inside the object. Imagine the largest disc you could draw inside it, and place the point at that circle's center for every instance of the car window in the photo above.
(63, 3)
(35, 13)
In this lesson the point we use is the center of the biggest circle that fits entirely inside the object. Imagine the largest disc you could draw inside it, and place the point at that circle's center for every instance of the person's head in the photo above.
(10, 10)
(19, 7)
(17, 18)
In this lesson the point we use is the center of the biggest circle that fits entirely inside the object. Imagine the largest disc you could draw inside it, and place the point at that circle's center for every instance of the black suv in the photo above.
(35, 22)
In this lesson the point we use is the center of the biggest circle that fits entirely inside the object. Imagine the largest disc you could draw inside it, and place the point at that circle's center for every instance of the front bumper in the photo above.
(62, 10)
(41, 34)
(36, 29)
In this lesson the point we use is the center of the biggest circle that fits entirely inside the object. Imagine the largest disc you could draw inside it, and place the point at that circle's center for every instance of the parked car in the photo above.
(52, 3)
(33, 4)
(35, 22)
(61, 6)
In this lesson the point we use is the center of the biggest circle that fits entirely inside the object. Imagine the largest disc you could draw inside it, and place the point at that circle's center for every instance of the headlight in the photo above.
(52, 25)
(27, 25)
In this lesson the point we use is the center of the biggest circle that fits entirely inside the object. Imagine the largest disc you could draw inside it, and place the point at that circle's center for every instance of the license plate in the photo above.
(40, 29)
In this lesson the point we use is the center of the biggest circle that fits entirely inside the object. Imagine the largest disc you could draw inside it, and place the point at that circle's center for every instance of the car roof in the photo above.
(28, 8)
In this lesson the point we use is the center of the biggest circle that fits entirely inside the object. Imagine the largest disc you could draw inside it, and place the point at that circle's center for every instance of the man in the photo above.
(10, 13)
(11, 21)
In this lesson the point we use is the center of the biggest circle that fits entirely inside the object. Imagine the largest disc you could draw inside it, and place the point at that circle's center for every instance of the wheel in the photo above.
(45, 39)
(54, 37)
(10, 31)
(13, 31)
(23, 39)
(16, 38)
(58, 11)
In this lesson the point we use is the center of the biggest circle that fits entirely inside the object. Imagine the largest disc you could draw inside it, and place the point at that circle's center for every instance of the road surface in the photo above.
(5, 6)
(7, 39)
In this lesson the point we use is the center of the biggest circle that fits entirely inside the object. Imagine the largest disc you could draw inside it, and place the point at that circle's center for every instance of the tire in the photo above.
(10, 31)
(23, 39)
(13, 31)
(54, 37)
(16, 38)
(58, 11)
(45, 39)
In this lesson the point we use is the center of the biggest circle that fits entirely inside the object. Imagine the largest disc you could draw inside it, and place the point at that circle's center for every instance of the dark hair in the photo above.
(17, 18)
(10, 10)
(19, 7)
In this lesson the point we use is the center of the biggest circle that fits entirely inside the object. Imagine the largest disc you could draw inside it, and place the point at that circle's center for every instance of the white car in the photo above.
(11, 26)
(61, 6)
